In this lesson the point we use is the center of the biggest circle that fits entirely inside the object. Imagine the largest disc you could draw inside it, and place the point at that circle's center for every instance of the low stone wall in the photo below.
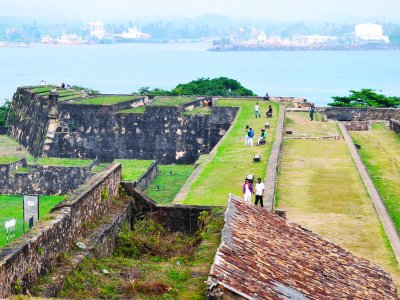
(357, 125)
(183, 218)
(395, 125)
(29, 256)
(131, 103)
(361, 114)
(44, 180)
(146, 178)
(273, 163)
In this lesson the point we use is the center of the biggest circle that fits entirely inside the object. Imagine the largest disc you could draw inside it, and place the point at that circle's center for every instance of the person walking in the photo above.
(247, 191)
(257, 110)
(246, 136)
(260, 187)
(251, 136)
(312, 110)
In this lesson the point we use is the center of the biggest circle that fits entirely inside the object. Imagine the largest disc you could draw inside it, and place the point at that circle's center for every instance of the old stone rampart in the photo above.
(395, 125)
(44, 180)
(25, 259)
(4, 130)
(28, 119)
(361, 114)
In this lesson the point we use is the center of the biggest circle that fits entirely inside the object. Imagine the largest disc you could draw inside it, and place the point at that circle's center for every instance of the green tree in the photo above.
(221, 86)
(365, 98)
(4, 112)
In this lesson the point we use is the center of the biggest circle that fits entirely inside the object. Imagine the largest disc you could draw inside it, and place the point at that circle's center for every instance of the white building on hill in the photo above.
(370, 32)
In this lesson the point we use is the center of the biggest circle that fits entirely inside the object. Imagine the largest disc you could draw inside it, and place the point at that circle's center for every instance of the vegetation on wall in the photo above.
(221, 86)
(4, 112)
(365, 98)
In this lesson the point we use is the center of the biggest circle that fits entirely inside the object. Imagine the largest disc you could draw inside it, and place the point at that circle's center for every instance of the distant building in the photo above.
(370, 32)
(132, 35)
(306, 40)
(97, 30)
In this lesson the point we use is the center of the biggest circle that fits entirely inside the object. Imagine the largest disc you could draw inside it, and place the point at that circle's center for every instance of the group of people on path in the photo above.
(249, 136)
(248, 191)
(257, 111)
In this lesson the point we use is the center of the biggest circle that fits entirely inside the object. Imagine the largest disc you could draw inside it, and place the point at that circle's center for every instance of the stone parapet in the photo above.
(395, 125)
(29, 256)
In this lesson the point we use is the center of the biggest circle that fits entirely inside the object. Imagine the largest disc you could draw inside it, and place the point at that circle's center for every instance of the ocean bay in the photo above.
(124, 68)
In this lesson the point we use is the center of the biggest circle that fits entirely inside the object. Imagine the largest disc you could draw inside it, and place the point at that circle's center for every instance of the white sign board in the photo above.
(31, 208)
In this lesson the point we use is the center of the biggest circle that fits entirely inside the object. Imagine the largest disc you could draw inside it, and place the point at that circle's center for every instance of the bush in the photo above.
(365, 98)
(4, 109)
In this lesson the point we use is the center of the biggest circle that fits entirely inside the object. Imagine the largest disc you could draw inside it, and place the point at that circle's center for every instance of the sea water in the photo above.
(124, 68)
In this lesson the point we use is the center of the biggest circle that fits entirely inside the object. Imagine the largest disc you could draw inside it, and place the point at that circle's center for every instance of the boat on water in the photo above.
(133, 35)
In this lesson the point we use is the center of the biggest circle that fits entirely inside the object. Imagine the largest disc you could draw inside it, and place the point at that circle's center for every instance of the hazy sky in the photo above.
(131, 9)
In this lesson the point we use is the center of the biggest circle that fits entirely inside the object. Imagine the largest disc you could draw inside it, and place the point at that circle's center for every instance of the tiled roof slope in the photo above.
(262, 256)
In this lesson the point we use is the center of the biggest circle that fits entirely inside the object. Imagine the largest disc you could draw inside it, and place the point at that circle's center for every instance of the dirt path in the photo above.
(387, 222)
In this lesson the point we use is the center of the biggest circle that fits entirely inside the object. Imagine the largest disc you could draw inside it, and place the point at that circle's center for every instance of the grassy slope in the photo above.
(380, 152)
(11, 208)
(105, 100)
(133, 169)
(233, 160)
(321, 189)
(8, 148)
(169, 185)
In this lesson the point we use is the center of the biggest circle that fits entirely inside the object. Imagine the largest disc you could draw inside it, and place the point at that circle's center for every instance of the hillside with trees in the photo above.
(365, 98)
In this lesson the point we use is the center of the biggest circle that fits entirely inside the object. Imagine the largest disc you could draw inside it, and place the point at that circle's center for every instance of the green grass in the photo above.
(42, 89)
(150, 263)
(172, 101)
(100, 167)
(105, 100)
(380, 152)
(138, 110)
(11, 208)
(201, 110)
(233, 160)
(4, 160)
(320, 188)
(133, 169)
(22, 170)
(63, 162)
(8, 147)
(169, 185)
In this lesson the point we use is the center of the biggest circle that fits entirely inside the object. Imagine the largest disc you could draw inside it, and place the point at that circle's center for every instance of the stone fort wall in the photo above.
(361, 114)
(95, 131)
(44, 180)
(24, 260)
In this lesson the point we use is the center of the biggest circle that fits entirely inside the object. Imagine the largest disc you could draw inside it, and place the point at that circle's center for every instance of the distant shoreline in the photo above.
(349, 47)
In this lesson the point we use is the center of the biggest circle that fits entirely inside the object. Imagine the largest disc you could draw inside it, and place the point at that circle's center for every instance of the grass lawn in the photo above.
(100, 167)
(169, 184)
(63, 162)
(8, 159)
(8, 147)
(380, 152)
(133, 169)
(320, 188)
(233, 160)
(172, 101)
(201, 110)
(11, 208)
(148, 263)
(105, 100)
(138, 110)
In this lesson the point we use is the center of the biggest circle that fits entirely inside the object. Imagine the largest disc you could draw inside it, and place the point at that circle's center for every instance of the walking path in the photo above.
(387, 222)
(273, 163)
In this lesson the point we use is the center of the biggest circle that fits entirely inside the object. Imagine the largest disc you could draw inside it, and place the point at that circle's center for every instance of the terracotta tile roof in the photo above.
(262, 256)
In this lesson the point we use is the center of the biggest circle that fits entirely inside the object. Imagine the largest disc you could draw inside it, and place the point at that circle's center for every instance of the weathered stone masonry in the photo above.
(44, 180)
(361, 114)
(61, 129)
(395, 125)
(24, 260)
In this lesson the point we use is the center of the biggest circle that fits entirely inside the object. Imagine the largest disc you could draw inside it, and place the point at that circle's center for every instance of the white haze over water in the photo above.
(284, 10)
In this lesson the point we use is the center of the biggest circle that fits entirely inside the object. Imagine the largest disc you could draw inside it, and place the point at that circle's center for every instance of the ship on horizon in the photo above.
(131, 36)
